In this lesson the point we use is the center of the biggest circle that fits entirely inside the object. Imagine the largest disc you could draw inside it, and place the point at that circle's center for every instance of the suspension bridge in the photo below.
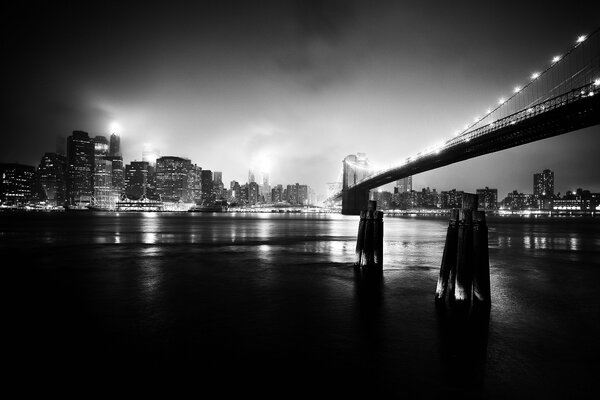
(562, 98)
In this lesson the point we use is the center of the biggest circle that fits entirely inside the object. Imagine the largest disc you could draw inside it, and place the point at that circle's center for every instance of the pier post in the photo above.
(448, 258)
(369, 241)
(481, 260)
(367, 257)
(360, 238)
(463, 282)
(378, 240)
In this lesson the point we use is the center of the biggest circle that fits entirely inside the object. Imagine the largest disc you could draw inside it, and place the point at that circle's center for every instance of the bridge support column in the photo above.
(465, 271)
(353, 201)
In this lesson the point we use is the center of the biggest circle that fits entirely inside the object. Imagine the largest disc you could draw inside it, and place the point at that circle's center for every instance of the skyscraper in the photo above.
(266, 189)
(150, 154)
(404, 185)
(172, 179)
(115, 145)
(208, 195)
(16, 181)
(543, 184)
(136, 179)
(52, 174)
(251, 177)
(80, 169)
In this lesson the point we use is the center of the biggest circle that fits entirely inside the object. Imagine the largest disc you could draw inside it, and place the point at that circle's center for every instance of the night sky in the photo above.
(289, 86)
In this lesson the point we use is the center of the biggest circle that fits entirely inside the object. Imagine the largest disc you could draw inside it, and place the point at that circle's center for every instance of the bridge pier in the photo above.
(353, 201)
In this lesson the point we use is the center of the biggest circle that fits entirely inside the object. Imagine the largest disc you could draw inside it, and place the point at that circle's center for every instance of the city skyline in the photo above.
(292, 87)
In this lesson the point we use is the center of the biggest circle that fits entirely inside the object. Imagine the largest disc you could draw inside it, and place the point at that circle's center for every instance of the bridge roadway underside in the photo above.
(581, 114)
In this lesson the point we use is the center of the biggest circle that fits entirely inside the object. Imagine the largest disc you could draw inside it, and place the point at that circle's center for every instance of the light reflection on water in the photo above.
(285, 284)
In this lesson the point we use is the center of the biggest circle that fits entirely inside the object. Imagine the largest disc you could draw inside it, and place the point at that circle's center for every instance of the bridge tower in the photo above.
(355, 168)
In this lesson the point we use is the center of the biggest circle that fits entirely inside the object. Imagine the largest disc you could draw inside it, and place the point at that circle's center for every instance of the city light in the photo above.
(535, 75)
(115, 127)
(597, 82)
(556, 59)
(517, 89)
(581, 38)
(488, 111)
(502, 100)
(476, 119)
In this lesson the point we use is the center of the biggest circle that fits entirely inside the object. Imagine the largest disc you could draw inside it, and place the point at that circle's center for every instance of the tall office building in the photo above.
(172, 179)
(150, 154)
(80, 169)
(252, 193)
(16, 183)
(218, 186)
(101, 146)
(52, 175)
(60, 146)
(404, 185)
(235, 191)
(195, 183)
(115, 145)
(251, 176)
(136, 179)
(355, 169)
(208, 195)
(543, 184)
(104, 195)
(266, 188)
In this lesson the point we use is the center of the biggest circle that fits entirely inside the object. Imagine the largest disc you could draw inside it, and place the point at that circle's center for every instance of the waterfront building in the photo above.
(266, 188)
(218, 186)
(52, 175)
(208, 195)
(195, 183)
(487, 198)
(383, 198)
(172, 179)
(543, 184)
(451, 199)
(234, 192)
(404, 185)
(16, 183)
(136, 179)
(518, 201)
(252, 193)
(80, 169)
(277, 194)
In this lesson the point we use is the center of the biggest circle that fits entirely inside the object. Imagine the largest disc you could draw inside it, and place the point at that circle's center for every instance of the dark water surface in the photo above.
(269, 304)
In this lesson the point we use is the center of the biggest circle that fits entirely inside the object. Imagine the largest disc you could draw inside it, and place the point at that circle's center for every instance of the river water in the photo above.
(270, 305)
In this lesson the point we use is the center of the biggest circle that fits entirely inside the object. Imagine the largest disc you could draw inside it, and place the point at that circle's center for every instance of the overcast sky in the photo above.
(289, 86)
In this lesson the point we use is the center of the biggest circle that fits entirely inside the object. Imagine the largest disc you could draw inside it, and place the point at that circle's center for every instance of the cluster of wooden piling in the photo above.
(465, 270)
(369, 241)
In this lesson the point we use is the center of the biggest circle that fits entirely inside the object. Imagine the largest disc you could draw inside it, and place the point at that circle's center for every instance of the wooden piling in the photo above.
(378, 239)
(481, 260)
(448, 258)
(368, 248)
(360, 238)
(463, 282)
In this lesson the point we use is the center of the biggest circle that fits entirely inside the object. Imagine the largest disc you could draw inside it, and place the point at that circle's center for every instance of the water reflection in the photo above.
(463, 348)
